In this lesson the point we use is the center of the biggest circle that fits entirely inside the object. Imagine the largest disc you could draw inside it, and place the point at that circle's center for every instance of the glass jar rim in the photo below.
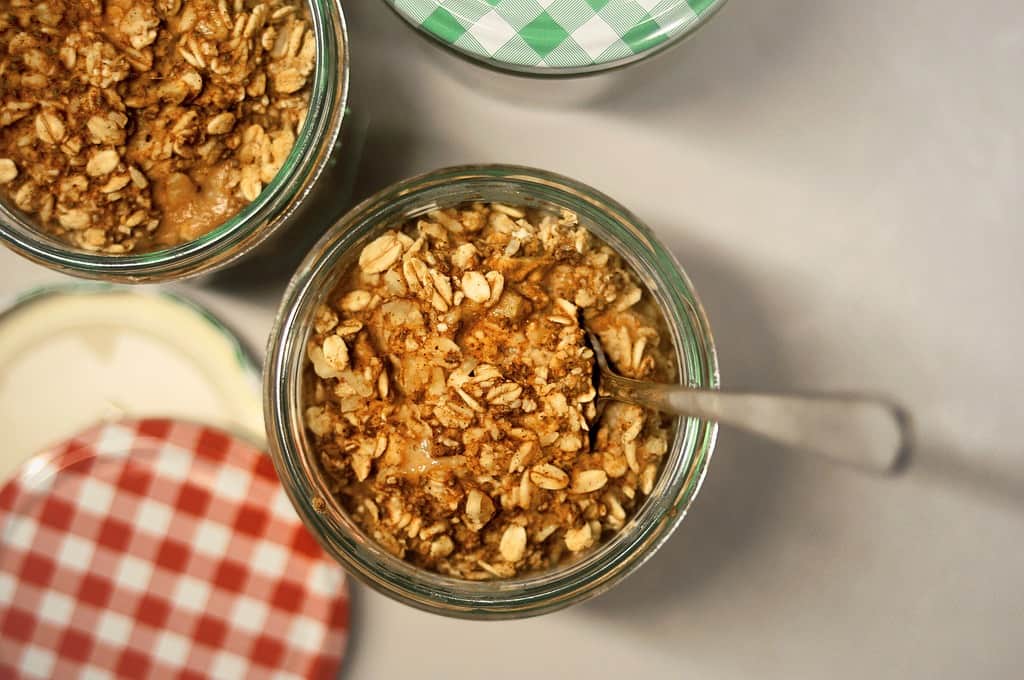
(250, 226)
(678, 483)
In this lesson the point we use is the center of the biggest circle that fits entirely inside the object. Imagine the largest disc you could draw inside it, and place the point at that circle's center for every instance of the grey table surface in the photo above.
(843, 182)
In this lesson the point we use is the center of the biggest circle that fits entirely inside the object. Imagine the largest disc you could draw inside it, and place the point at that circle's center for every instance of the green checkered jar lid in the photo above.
(556, 36)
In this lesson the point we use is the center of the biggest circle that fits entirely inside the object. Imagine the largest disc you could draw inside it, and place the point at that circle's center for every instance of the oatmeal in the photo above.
(450, 398)
(132, 125)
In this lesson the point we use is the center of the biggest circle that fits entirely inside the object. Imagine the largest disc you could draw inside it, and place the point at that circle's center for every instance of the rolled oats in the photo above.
(513, 543)
(587, 481)
(549, 477)
(8, 170)
(475, 286)
(102, 163)
(381, 254)
(171, 94)
(579, 539)
(449, 395)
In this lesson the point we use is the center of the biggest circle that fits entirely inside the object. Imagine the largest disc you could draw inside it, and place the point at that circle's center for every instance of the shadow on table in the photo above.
(744, 480)
(747, 48)
(746, 476)
(356, 617)
(961, 472)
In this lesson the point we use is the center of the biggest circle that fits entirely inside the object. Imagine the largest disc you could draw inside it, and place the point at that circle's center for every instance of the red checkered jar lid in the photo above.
(157, 548)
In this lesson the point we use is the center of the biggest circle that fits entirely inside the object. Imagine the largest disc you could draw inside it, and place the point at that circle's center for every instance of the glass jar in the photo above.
(298, 468)
(255, 223)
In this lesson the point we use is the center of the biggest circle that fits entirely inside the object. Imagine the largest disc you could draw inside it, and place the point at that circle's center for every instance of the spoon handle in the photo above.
(863, 432)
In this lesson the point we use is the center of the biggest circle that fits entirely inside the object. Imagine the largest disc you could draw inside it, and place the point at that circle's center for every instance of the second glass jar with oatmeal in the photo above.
(430, 401)
(142, 141)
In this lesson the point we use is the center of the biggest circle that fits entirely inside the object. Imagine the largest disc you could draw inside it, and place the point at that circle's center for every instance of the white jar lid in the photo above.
(72, 355)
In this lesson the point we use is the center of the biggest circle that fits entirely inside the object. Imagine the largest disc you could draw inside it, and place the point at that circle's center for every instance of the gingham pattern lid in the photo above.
(554, 34)
(154, 548)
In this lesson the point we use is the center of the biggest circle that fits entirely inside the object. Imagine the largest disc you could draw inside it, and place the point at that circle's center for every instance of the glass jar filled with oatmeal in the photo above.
(429, 396)
(145, 140)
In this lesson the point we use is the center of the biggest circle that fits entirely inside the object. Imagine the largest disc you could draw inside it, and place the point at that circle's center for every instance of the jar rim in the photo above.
(685, 464)
(248, 227)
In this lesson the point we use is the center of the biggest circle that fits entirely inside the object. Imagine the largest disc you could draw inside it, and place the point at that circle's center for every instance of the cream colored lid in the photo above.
(74, 355)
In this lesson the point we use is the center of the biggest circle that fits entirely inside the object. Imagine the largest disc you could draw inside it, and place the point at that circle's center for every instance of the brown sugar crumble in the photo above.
(450, 397)
(133, 125)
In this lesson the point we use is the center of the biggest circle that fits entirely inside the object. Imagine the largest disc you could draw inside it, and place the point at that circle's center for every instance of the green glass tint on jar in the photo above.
(556, 37)
(256, 222)
(298, 465)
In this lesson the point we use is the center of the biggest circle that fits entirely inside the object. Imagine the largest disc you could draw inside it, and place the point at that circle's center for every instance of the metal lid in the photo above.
(160, 548)
(72, 355)
(556, 36)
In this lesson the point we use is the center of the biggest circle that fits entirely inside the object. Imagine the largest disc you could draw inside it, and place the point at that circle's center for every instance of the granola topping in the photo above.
(133, 125)
(449, 392)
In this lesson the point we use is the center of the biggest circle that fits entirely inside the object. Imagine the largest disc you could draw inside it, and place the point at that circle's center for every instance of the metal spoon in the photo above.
(860, 431)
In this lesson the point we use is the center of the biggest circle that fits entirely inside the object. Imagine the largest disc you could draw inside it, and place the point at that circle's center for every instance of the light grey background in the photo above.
(842, 180)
